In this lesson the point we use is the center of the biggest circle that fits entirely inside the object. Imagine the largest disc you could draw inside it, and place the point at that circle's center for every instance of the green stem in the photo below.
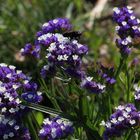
(53, 93)
(119, 68)
(128, 85)
(48, 110)
(31, 128)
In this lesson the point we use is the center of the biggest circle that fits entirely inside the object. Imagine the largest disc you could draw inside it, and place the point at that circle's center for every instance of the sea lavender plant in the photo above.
(125, 117)
(62, 53)
(128, 28)
(15, 86)
(56, 128)
(12, 128)
(107, 74)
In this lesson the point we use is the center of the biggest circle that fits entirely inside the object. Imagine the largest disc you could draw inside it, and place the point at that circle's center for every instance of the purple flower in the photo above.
(125, 117)
(56, 128)
(92, 86)
(13, 83)
(12, 129)
(31, 50)
(57, 25)
(127, 29)
(63, 53)
(107, 74)
(48, 70)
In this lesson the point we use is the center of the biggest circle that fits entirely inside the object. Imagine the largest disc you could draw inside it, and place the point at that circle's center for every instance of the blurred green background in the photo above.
(21, 19)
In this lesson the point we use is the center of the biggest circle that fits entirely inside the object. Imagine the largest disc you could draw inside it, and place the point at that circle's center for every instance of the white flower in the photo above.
(137, 96)
(39, 93)
(114, 120)
(61, 46)
(12, 110)
(130, 11)
(75, 57)
(11, 122)
(52, 47)
(125, 42)
(12, 67)
(65, 57)
(2, 89)
(53, 133)
(116, 10)
(134, 27)
(42, 131)
(132, 122)
(45, 36)
(5, 137)
(15, 87)
(11, 134)
(117, 28)
(47, 121)
(124, 23)
(108, 125)
(132, 17)
(120, 107)
(16, 127)
(138, 21)
(128, 109)
(120, 119)
(19, 71)
(101, 86)
(55, 21)
(18, 101)
(45, 24)
(102, 123)
(89, 78)
(48, 55)
(60, 57)
(136, 87)
(126, 115)
(4, 109)
(129, 39)
(3, 65)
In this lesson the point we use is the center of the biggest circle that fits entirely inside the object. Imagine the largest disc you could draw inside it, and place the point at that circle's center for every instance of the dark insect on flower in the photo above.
(73, 34)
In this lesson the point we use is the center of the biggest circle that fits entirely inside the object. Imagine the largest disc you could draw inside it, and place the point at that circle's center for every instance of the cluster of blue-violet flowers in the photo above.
(128, 28)
(56, 128)
(107, 74)
(62, 53)
(15, 86)
(125, 117)
(12, 128)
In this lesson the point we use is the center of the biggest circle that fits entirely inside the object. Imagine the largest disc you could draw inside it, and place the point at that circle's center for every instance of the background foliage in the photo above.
(20, 20)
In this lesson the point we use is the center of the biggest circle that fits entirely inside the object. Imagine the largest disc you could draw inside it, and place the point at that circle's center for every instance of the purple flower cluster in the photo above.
(57, 25)
(14, 82)
(107, 74)
(137, 92)
(92, 86)
(127, 29)
(31, 50)
(14, 86)
(12, 129)
(56, 129)
(62, 53)
(125, 117)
